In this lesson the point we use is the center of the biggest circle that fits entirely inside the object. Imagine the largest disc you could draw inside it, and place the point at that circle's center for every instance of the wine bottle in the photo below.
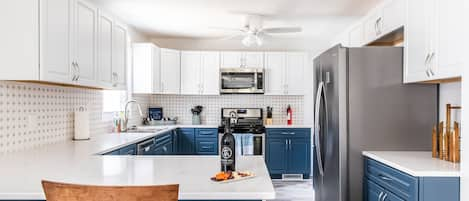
(228, 154)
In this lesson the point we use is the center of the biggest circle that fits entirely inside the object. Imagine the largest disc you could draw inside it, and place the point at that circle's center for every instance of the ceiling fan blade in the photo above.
(282, 30)
(227, 29)
(232, 37)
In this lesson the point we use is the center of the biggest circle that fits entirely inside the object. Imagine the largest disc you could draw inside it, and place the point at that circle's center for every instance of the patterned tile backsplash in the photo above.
(179, 106)
(34, 115)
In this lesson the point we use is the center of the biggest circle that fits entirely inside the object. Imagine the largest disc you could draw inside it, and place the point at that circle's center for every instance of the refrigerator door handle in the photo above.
(317, 126)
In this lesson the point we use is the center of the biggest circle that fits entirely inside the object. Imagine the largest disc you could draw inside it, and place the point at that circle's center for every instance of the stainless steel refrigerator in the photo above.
(361, 104)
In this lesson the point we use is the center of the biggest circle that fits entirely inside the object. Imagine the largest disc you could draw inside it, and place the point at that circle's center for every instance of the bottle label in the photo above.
(226, 153)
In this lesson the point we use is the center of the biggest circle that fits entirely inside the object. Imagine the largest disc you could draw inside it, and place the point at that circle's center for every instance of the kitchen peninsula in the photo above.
(81, 162)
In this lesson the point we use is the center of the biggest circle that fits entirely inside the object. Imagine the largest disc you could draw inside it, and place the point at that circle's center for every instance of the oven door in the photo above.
(241, 80)
(248, 144)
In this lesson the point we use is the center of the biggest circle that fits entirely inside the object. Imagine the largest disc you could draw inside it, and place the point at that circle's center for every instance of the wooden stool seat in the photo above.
(72, 192)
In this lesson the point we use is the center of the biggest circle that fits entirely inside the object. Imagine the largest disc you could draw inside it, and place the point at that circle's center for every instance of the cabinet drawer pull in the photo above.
(205, 147)
(383, 177)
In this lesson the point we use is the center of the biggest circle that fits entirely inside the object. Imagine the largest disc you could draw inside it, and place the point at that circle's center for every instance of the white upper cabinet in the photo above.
(210, 73)
(285, 73)
(191, 70)
(394, 15)
(85, 44)
(295, 64)
(64, 42)
(56, 20)
(170, 71)
(449, 53)
(233, 59)
(104, 50)
(119, 56)
(417, 40)
(254, 59)
(357, 36)
(274, 73)
(200, 73)
(433, 33)
(146, 68)
(373, 26)
(19, 52)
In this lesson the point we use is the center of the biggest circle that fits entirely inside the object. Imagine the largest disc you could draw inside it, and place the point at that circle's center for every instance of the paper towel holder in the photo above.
(82, 125)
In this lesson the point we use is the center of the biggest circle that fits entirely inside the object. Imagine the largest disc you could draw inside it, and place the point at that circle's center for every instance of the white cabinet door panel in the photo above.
(119, 56)
(295, 67)
(394, 15)
(191, 71)
(275, 73)
(142, 68)
(231, 59)
(170, 71)
(357, 36)
(85, 43)
(211, 73)
(19, 54)
(254, 59)
(56, 40)
(416, 39)
(449, 54)
(104, 50)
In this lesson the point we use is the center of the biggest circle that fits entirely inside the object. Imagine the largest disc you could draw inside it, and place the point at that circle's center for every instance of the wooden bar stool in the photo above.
(71, 192)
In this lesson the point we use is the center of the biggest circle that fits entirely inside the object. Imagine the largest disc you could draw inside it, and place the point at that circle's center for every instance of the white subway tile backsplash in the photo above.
(179, 106)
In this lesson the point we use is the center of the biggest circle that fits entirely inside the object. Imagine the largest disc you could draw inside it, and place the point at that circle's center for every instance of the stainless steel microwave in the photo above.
(242, 81)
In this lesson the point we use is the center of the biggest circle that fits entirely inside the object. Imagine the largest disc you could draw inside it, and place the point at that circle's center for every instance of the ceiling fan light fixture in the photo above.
(248, 40)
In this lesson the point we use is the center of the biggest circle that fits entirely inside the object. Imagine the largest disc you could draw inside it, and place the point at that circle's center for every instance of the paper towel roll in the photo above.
(82, 125)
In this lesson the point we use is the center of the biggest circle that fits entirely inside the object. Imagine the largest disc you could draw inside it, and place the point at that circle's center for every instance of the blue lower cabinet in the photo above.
(299, 157)
(382, 182)
(186, 141)
(128, 150)
(207, 146)
(288, 151)
(277, 156)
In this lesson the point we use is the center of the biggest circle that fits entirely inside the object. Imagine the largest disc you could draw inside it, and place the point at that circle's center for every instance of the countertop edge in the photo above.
(409, 171)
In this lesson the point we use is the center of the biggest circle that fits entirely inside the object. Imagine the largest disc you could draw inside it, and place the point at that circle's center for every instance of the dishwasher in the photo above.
(145, 147)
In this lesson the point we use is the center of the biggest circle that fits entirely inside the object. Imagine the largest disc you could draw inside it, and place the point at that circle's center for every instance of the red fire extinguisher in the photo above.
(289, 115)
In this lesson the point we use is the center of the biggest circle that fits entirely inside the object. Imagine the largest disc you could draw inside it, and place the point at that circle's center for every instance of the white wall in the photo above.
(450, 93)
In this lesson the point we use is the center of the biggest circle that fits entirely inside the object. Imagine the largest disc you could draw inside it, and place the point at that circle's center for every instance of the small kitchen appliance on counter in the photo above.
(248, 128)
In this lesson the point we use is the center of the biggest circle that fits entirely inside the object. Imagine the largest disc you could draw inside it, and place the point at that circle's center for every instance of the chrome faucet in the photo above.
(126, 114)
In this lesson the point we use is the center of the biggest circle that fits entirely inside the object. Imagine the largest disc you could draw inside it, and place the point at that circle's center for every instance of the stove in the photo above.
(246, 120)
(247, 125)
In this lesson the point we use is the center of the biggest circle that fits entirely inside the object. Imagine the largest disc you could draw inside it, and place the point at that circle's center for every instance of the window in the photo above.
(113, 100)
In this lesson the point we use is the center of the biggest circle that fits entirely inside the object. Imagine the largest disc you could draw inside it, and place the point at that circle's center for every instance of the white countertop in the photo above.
(415, 163)
(76, 162)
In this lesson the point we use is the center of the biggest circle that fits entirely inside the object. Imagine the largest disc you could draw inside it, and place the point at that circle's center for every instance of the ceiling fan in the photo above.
(253, 31)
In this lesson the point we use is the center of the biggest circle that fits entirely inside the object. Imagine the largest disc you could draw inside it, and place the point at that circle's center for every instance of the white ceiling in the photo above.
(195, 18)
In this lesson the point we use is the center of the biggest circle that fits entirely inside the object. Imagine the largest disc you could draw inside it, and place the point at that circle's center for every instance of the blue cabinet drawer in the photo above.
(128, 150)
(374, 192)
(289, 132)
(207, 147)
(163, 137)
(395, 181)
(206, 133)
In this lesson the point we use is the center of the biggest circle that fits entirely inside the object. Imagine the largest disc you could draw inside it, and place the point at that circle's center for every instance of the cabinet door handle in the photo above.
(428, 73)
(289, 144)
(384, 197)
(380, 195)
(286, 144)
